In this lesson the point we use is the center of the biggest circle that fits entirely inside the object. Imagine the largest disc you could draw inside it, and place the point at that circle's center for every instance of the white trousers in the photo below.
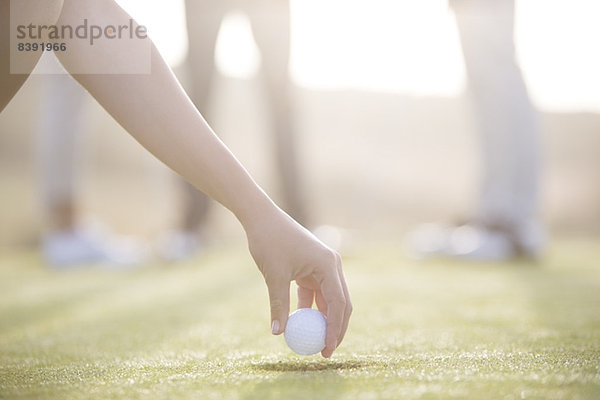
(505, 119)
(59, 134)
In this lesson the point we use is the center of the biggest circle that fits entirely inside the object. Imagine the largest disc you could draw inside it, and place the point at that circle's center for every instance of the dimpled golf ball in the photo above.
(305, 331)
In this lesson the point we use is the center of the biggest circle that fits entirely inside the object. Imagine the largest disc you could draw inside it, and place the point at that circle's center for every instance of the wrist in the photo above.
(255, 211)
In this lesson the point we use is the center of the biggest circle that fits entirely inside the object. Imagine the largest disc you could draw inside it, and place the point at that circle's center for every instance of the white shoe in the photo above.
(85, 246)
(178, 245)
(473, 242)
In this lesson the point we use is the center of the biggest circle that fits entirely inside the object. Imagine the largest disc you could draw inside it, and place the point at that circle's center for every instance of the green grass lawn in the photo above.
(420, 330)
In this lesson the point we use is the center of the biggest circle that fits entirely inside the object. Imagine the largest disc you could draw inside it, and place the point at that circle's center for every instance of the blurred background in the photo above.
(385, 133)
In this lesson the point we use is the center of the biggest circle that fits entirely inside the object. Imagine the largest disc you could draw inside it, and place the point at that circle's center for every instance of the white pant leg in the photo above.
(58, 139)
(506, 120)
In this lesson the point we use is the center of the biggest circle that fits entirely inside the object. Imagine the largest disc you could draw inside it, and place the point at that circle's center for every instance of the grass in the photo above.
(421, 330)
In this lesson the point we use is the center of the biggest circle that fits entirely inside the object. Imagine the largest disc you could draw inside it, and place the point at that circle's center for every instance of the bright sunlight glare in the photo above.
(404, 46)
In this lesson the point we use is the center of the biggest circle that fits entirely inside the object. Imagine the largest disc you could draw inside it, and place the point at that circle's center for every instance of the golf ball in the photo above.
(305, 331)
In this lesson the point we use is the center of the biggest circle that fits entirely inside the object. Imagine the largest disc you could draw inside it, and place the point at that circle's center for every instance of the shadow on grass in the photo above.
(302, 366)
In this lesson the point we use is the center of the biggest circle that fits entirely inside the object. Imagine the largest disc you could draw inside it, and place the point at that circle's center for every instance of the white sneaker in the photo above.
(81, 246)
(473, 242)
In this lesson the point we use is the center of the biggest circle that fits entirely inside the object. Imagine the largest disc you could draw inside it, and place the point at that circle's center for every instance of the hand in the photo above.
(285, 251)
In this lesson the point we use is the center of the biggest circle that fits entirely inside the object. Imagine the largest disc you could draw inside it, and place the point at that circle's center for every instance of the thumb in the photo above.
(279, 298)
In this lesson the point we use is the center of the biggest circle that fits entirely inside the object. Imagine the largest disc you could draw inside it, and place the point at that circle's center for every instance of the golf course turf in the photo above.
(420, 330)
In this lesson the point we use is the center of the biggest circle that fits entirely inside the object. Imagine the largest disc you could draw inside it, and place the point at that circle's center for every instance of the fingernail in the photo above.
(275, 327)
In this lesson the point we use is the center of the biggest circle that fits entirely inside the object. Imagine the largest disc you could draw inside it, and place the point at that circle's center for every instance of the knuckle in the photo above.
(335, 257)
(339, 302)
(330, 255)
(338, 257)
(329, 260)
(272, 278)
(276, 304)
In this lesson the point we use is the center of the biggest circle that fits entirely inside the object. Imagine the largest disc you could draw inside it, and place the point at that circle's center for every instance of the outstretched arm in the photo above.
(38, 12)
(154, 109)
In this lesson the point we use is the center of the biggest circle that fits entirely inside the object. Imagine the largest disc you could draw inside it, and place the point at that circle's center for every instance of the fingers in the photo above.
(335, 295)
(321, 303)
(305, 297)
(279, 298)
(348, 310)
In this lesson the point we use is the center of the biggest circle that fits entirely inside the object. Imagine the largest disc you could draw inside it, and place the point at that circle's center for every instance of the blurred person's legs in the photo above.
(270, 22)
(504, 223)
(271, 28)
(66, 241)
(507, 123)
(59, 131)
(203, 19)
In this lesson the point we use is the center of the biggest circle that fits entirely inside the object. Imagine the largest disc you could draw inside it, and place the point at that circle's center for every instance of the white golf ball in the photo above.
(305, 331)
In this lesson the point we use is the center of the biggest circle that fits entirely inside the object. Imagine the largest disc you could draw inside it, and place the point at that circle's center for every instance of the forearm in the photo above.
(156, 111)
(14, 13)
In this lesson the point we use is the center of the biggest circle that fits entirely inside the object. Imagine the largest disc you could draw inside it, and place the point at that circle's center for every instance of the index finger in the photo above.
(333, 292)
(348, 310)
